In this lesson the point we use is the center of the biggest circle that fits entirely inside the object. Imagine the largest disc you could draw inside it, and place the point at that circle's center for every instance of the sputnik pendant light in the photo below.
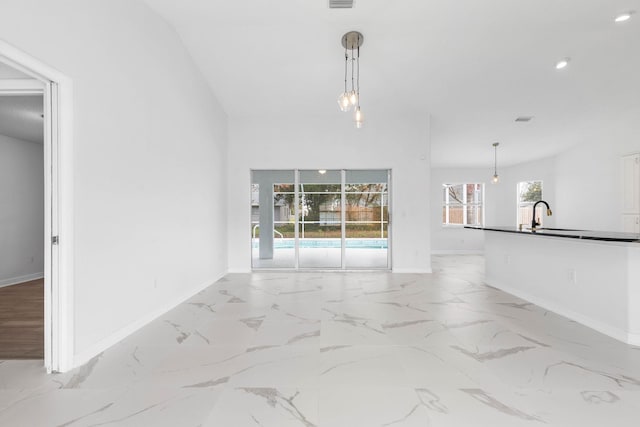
(495, 178)
(350, 99)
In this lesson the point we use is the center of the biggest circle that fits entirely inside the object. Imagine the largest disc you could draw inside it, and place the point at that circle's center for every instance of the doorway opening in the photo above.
(320, 219)
(21, 223)
(22, 76)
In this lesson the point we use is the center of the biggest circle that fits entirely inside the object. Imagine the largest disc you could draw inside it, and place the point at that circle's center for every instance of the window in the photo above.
(529, 192)
(463, 204)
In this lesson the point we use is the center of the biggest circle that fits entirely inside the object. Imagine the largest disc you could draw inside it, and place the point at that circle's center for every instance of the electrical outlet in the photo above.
(507, 259)
(572, 276)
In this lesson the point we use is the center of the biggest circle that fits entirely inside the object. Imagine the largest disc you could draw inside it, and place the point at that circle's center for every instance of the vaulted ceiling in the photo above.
(474, 66)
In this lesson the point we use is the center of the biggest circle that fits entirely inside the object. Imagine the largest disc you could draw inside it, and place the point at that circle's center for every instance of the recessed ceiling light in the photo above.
(562, 64)
(322, 171)
(524, 119)
(624, 16)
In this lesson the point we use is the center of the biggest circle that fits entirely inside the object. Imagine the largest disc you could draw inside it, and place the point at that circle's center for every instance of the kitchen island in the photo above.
(588, 276)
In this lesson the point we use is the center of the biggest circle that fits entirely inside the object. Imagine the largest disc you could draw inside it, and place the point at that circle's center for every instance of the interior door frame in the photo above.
(58, 189)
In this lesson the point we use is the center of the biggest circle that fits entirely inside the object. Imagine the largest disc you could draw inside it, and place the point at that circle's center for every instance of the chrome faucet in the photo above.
(535, 223)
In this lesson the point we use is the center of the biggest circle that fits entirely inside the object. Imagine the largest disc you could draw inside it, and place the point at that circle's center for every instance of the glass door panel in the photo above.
(367, 219)
(273, 219)
(320, 219)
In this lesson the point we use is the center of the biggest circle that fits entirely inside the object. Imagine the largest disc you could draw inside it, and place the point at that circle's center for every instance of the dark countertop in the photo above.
(606, 236)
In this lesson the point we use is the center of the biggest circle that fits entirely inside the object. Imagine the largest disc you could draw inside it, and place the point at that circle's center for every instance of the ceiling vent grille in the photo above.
(340, 4)
(524, 119)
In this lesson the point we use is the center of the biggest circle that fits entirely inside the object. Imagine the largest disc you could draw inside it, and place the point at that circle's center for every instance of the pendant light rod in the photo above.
(346, 62)
(353, 88)
(358, 76)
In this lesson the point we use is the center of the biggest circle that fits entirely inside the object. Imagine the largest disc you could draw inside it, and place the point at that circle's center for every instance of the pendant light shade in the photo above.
(349, 100)
(344, 102)
(359, 118)
(353, 98)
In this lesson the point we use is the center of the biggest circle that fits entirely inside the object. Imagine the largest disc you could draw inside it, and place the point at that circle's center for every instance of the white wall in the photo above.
(500, 201)
(21, 211)
(583, 184)
(504, 205)
(149, 153)
(589, 176)
(456, 239)
(333, 143)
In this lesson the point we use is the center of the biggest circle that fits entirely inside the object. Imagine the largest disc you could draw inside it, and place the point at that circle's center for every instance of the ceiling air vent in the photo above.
(524, 119)
(340, 4)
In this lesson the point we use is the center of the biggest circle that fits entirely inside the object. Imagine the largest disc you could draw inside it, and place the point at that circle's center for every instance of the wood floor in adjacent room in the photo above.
(22, 321)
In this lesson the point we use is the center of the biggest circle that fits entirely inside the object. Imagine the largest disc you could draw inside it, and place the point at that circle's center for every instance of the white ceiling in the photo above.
(473, 65)
(21, 117)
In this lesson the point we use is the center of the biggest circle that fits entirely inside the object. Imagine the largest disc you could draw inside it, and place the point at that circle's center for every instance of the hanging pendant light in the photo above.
(353, 98)
(350, 99)
(495, 178)
(344, 101)
(359, 118)
(353, 95)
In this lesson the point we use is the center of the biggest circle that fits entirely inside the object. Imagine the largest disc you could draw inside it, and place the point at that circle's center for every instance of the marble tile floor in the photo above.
(342, 349)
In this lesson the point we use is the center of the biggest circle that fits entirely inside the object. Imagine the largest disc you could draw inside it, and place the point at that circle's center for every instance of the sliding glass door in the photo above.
(320, 219)
(272, 219)
(367, 219)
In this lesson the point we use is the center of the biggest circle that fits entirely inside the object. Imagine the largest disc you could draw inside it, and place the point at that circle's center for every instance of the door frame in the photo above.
(58, 190)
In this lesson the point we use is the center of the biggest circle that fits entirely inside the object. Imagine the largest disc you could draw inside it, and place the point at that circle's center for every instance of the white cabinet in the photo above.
(631, 223)
(631, 184)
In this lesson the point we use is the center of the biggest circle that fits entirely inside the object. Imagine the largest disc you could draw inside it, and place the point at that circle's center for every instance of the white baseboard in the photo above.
(633, 339)
(412, 271)
(603, 328)
(20, 279)
(86, 355)
(457, 252)
(238, 271)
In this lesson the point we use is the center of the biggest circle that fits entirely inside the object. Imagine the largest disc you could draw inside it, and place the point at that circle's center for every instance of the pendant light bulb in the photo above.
(359, 118)
(353, 98)
(344, 102)
(495, 178)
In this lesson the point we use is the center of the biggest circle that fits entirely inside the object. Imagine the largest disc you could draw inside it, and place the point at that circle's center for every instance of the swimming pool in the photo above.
(327, 243)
